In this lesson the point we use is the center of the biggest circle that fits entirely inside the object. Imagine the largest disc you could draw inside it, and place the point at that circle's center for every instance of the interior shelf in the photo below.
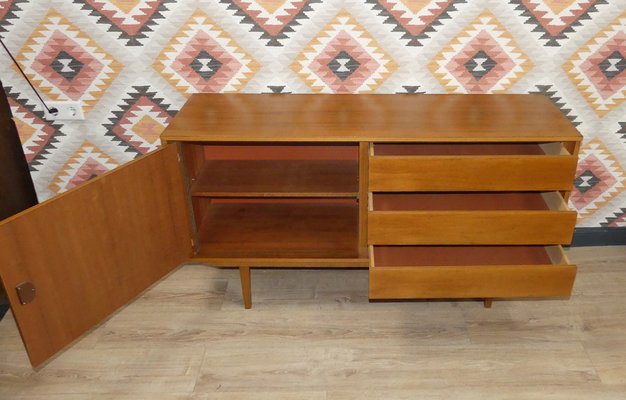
(464, 149)
(467, 201)
(422, 256)
(280, 230)
(277, 178)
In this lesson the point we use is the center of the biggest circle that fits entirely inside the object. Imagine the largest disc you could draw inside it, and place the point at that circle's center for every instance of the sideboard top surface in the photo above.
(370, 117)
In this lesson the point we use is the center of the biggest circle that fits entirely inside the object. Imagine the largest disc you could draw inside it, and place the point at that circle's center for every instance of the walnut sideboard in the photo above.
(440, 196)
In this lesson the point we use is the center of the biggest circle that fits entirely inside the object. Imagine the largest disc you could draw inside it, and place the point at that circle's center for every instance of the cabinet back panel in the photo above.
(264, 151)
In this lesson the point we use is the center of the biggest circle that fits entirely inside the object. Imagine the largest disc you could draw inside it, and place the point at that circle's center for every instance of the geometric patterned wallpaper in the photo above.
(133, 63)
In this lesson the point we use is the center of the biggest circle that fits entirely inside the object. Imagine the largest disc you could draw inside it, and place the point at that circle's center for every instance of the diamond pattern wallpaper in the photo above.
(133, 63)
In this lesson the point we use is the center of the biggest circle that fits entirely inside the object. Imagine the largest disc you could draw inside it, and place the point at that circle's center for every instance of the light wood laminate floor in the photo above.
(313, 334)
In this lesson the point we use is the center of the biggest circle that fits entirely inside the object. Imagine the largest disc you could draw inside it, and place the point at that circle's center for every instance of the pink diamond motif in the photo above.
(599, 179)
(598, 68)
(64, 63)
(78, 85)
(228, 69)
(344, 42)
(343, 58)
(591, 67)
(483, 58)
(202, 57)
(482, 42)
(593, 179)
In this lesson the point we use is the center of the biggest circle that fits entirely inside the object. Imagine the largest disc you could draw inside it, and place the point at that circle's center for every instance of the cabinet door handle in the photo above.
(26, 292)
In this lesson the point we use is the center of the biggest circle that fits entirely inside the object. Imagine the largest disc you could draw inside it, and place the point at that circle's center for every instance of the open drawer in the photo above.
(422, 272)
(470, 167)
(491, 218)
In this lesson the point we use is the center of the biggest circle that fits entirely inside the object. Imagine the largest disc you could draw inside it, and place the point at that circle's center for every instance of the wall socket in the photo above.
(67, 111)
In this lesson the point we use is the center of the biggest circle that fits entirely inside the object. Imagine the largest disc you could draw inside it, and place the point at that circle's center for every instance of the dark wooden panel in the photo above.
(91, 250)
(17, 192)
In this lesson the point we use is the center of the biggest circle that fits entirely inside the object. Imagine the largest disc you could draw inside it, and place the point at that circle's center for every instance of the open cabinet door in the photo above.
(70, 262)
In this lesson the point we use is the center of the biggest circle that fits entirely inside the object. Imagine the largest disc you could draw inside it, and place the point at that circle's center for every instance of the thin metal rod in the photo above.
(25, 77)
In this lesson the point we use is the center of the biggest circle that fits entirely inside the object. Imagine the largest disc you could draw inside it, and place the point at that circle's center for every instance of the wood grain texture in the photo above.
(470, 277)
(471, 227)
(91, 250)
(471, 173)
(354, 118)
(277, 178)
(280, 232)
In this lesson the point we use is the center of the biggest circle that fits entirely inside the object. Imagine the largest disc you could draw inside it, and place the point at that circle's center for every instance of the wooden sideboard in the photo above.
(440, 196)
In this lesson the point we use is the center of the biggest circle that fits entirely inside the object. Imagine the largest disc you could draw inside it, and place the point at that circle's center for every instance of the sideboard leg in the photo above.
(487, 302)
(246, 287)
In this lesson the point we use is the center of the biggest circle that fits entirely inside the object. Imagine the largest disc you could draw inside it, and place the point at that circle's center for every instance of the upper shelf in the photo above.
(277, 178)
(351, 118)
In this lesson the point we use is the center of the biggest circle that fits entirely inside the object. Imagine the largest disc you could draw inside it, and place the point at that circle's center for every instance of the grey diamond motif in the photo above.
(343, 65)
(205, 65)
(66, 65)
(480, 65)
(585, 181)
(613, 65)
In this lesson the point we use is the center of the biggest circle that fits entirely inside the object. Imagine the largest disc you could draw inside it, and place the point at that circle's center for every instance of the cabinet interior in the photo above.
(287, 200)
(422, 256)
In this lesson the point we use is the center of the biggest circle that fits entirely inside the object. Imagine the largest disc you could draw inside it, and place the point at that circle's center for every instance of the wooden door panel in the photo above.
(91, 250)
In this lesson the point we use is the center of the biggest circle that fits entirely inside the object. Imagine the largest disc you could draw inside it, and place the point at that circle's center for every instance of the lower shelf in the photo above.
(421, 272)
(281, 234)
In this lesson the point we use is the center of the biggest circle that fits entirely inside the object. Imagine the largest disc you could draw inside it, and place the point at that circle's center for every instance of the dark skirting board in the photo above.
(599, 237)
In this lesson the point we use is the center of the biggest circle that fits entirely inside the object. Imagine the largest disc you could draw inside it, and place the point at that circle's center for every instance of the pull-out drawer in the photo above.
(470, 167)
(470, 218)
(423, 272)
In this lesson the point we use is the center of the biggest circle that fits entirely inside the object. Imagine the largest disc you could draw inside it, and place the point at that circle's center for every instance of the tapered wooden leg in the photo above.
(487, 302)
(246, 287)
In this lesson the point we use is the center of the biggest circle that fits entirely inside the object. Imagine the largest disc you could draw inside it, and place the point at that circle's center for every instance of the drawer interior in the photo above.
(468, 201)
(467, 149)
(422, 256)
(414, 272)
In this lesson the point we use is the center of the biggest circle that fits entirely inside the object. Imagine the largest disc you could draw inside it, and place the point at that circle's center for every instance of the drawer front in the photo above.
(476, 281)
(471, 173)
(470, 227)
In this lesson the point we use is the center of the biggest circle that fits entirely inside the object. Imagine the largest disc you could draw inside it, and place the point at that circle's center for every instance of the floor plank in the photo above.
(313, 334)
